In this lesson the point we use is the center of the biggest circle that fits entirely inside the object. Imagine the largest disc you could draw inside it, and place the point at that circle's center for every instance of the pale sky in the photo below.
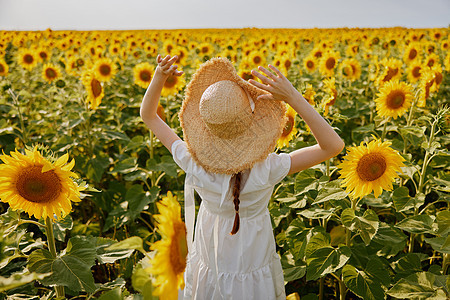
(172, 14)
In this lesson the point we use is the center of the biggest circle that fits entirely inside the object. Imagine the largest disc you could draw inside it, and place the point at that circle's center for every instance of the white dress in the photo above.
(244, 265)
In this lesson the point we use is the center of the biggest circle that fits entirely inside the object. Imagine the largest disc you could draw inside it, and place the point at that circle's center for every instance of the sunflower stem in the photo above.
(408, 122)
(52, 247)
(445, 263)
(342, 288)
(152, 155)
(22, 126)
(426, 161)
(383, 134)
(31, 222)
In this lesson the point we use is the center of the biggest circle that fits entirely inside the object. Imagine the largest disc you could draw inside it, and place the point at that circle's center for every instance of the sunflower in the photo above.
(447, 62)
(43, 54)
(394, 99)
(51, 72)
(169, 262)
(105, 69)
(352, 49)
(391, 69)
(94, 89)
(37, 185)
(370, 168)
(27, 59)
(173, 85)
(431, 60)
(426, 82)
(256, 59)
(438, 77)
(310, 63)
(412, 52)
(414, 71)
(143, 74)
(445, 45)
(350, 69)
(309, 94)
(289, 130)
(182, 54)
(4, 69)
(330, 89)
(328, 63)
(205, 49)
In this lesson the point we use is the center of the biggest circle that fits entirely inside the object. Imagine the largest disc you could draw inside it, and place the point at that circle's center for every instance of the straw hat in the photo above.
(226, 128)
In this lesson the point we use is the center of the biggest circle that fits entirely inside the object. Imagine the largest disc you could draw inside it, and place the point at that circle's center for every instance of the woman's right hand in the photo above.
(166, 67)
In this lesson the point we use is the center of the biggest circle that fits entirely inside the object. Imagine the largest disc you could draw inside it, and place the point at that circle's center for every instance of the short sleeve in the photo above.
(181, 155)
(279, 166)
(270, 171)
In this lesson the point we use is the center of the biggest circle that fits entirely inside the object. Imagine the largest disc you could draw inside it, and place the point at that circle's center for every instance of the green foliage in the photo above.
(395, 245)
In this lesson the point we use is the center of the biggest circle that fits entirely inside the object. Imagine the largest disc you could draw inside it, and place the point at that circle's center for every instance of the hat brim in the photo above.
(233, 155)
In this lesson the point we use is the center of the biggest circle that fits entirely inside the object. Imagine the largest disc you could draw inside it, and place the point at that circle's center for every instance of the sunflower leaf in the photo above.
(443, 222)
(72, 269)
(326, 260)
(18, 279)
(142, 282)
(416, 224)
(306, 180)
(420, 285)
(358, 281)
(402, 200)
(293, 269)
(440, 244)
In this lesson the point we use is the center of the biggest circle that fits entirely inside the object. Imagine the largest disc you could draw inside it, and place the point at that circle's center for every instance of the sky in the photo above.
(177, 14)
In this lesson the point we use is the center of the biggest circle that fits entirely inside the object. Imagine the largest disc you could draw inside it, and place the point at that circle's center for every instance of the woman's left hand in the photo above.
(166, 66)
(279, 87)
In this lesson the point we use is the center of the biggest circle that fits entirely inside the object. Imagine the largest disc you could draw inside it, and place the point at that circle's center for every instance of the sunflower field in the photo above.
(92, 203)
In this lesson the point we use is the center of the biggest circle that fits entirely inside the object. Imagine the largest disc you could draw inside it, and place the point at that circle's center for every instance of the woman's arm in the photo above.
(150, 102)
(329, 144)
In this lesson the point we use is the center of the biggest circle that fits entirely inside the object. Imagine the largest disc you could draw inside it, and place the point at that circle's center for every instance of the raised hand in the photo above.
(279, 87)
(166, 66)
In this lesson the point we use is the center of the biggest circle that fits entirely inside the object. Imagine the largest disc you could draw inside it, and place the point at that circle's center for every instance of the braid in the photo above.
(236, 192)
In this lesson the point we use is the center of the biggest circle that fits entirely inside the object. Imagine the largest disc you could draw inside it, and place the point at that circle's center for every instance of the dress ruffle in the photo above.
(264, 283)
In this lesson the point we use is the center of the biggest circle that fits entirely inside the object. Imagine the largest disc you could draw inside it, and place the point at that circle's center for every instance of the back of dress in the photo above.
(240, 266)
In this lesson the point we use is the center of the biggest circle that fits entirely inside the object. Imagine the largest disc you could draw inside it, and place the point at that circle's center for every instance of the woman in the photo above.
(231, 127)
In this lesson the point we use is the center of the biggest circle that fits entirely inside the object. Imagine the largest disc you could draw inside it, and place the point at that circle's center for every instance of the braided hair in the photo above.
(236, 192)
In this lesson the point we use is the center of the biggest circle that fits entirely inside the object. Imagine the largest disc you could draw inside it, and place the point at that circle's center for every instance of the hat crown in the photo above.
(225, 109)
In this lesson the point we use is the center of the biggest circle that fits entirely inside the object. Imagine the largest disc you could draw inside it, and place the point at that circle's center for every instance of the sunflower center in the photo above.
(2, 68)
(346, 71)
(50, 73)
(257, 59)
(416, 72)
(105, 70)
(288, 127)
(145, 76)
(330, 63)
(391, 73)
(38, 187)
(412, 54)
(310, 64)
(96, 87)
(43, 55)
(170, 82)
(371, 166)
(438, 78)
(430, 63)
(205, 49)
(287, 64)
(178, 249)
(395, 99)
(28, 59)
